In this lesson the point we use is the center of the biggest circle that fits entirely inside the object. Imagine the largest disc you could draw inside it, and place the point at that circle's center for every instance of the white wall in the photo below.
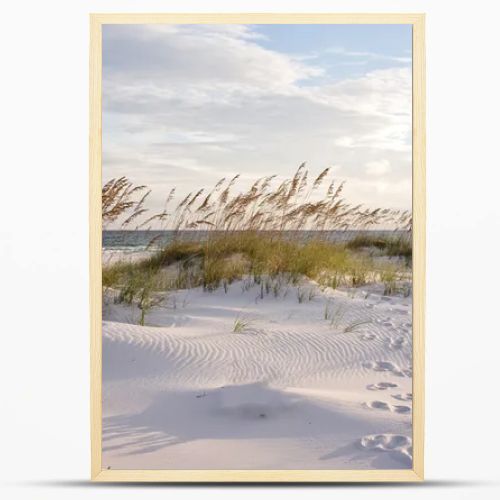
(44, 445)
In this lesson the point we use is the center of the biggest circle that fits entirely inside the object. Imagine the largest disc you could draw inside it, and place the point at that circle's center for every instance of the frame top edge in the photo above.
(253, 17)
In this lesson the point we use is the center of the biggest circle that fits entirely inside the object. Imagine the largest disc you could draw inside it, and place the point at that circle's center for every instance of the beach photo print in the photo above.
(257, 247)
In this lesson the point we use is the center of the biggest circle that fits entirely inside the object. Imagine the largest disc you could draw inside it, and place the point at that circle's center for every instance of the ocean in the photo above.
(140, 241)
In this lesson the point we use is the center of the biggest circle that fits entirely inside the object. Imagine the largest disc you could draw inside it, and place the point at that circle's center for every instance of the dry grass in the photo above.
(294, 204)
(118, 202)
(256, 235)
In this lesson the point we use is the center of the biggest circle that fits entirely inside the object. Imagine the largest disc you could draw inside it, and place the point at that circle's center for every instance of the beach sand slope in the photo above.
(321, 384)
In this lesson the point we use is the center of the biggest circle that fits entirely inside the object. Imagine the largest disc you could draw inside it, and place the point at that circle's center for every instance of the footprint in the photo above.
(382, 405)
(397, 343)
(386, 442)
(387, 366)
(381, 386)
(381, 366)
(401, 409)
(378, 405)
(399, 447)
(403, 397)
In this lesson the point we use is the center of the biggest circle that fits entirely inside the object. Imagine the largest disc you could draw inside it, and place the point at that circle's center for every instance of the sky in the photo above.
(185, 105)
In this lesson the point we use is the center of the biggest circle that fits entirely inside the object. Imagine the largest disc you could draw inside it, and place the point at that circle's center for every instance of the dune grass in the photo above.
(299, 203)
(256, 236)
(393, 246)
(222, 259)
(242, 324)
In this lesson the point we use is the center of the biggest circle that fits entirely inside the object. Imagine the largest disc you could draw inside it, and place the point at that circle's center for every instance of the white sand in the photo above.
(290, 392)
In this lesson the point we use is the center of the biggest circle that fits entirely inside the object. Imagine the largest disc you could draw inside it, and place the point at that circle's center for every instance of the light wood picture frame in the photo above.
(98, 471)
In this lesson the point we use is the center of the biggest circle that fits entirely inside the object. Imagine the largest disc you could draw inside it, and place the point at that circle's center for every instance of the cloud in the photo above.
(378, 167)
(187, 105)
(385, 92)
(202, 57)
(367, 55)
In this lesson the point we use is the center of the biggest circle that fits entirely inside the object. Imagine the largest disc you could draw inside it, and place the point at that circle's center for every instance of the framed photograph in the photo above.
(257, 247)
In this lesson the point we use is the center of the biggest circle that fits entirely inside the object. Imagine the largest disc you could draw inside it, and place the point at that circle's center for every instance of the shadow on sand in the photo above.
(252, 411)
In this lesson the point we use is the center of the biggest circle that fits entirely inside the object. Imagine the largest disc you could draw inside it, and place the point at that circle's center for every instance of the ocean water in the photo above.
(140, 241)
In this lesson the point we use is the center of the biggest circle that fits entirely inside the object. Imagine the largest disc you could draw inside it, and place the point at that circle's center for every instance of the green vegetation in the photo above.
(242, 325)
(258, 237)
(136, 285)
(393, 246)
(222, 259)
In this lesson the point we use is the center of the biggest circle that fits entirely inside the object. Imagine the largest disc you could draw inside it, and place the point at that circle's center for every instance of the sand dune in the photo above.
(292, 390)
